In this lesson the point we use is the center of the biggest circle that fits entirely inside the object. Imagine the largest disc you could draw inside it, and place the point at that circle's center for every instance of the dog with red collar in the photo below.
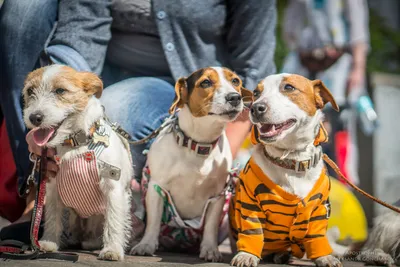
(95, 170)
(189, 164)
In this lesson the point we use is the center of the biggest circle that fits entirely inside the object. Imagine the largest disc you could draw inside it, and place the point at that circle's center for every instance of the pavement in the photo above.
(89, 258)
(163, 259)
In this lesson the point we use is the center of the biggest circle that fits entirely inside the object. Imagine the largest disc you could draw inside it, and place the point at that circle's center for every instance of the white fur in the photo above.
(294, 143)
(191, 179)
(114, 226)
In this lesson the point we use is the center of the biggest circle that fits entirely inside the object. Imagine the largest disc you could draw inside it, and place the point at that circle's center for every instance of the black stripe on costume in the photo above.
(313, 236)
(270, 202)
(302, 222)
(247, 206)
(318, 218)
(277, 231)
(257, 231)
(252, 219)
(300, 229)
(316, 196)
(276, 224)
(242, 184)
(282, 213)
(262, 189)
(274, 240)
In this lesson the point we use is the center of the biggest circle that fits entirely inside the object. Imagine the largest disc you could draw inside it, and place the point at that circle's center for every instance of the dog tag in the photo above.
(101, 138)
(109, 171)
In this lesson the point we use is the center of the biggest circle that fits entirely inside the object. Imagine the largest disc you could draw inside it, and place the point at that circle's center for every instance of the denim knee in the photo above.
(139, 105)
(26, 19)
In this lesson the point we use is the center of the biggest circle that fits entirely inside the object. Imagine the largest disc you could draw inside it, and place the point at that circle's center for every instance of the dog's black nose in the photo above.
(258, 109)
(233, 99)
(36, 118)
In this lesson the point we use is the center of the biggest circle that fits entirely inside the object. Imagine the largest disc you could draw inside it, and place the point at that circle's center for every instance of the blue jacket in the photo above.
(237, 34)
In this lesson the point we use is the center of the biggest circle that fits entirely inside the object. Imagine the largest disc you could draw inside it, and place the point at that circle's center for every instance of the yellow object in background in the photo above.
(347, 213)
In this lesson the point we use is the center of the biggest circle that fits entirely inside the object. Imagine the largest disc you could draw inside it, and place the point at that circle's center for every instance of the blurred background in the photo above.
(378, 151)
(364, 136)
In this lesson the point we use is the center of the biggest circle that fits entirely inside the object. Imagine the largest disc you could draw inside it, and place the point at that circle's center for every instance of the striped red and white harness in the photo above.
(78, 180)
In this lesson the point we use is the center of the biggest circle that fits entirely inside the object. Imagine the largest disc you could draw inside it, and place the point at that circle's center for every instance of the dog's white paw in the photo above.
(109, 254)
(144, 248)
(282, 257)
(328, 261)
(210, 253)
(48, 246)
(244, 259)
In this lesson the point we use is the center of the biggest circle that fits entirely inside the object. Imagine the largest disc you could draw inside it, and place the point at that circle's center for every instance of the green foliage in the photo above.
(281, 50)
(385, 46)
(384, 55)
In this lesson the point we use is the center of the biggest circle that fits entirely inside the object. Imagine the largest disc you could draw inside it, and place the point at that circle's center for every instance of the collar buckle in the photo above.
(80, 138)
(179, 138)
(203, 149)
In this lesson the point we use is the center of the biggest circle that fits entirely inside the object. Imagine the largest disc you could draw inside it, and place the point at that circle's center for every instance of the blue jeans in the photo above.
(24, 28)
(139, 104)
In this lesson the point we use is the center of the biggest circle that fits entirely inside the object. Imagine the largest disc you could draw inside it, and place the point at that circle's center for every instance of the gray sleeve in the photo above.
(357, 13)
(294, 19)
(251, 39)
(82, 33)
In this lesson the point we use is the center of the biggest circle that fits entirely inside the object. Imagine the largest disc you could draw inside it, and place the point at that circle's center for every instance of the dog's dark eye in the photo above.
(60, 91)
(289, 88)
(256, 93)
(235, 82)
(205, 84)
(29, 91)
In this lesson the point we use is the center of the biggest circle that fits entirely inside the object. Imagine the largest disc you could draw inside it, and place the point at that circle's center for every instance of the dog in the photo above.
(382, 246)
(189, 163)
(281, 205)
(63, 109)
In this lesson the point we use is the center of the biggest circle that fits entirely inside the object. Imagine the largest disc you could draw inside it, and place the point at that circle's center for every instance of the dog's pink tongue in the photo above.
(42, 135)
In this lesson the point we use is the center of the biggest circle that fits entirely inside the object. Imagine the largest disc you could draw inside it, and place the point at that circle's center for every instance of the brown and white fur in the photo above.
(192, 179)
(67, 100)
(287, 112)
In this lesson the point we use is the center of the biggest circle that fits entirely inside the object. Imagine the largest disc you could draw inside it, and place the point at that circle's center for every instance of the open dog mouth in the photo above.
(41, 136)
(273, 130)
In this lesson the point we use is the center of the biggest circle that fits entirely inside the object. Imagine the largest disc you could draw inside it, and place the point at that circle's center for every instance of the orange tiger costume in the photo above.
(266, 219)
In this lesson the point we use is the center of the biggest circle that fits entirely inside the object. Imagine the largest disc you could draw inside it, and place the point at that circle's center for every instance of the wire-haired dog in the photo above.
(95, 170)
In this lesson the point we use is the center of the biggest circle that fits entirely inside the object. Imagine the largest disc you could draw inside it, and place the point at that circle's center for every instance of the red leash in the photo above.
(16, 250)
(338, 172)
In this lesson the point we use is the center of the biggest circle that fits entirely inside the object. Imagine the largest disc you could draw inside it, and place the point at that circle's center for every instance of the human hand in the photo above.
(331, 51)
(52, 167)
(237, 132)
(356, 78)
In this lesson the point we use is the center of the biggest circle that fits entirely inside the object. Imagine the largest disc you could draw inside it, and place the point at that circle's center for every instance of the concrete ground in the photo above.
(161, 259)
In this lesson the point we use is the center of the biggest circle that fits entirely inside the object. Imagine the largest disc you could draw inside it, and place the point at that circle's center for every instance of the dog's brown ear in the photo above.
(180, 95)
(92, 84)
(247, 95)
(323, 95)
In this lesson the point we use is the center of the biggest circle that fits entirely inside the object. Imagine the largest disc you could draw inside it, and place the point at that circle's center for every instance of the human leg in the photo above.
(139, 105)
